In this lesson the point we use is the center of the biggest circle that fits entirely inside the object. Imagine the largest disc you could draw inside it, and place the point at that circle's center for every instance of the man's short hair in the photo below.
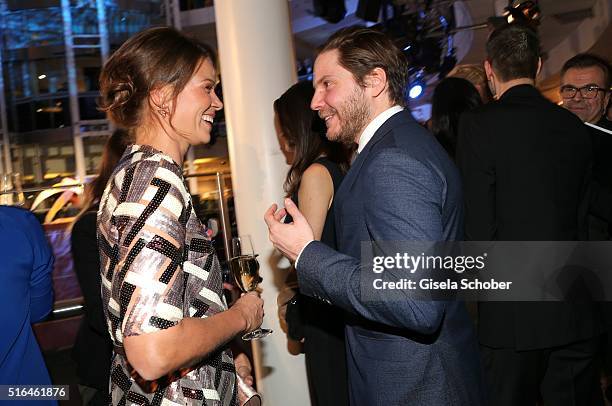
(514, 51)
(582, 61)
(360, 50)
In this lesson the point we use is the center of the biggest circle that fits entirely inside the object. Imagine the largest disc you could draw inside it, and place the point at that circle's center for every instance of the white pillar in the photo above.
(6, 142)
(257, 66)
(73, 91)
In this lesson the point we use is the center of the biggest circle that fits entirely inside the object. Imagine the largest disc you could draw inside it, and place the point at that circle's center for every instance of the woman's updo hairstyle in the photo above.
(151, 59)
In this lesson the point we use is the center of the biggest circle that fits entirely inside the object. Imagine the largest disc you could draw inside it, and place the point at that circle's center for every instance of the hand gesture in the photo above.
(291, 238)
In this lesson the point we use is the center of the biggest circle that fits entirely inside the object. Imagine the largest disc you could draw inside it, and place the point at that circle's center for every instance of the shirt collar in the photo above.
(375, 124)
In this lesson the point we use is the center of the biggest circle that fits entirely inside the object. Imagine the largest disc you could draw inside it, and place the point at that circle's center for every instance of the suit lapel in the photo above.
(353, 172)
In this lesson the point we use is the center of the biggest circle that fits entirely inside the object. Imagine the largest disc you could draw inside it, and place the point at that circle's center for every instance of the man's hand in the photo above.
(291, 238)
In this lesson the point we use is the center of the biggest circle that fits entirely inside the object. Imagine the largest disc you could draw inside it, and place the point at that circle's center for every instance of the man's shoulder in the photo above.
(18, 215)
(508, 113)
(605, 123)
(21, 227)
(412, 150)
(561, 122)
(404, 140)
(401, 130)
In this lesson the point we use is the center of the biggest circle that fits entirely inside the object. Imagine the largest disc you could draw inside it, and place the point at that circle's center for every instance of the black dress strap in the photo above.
(334, 170)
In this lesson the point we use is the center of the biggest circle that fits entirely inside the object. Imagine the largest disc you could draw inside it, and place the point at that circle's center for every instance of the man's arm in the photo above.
(402, 203)
(41, 284)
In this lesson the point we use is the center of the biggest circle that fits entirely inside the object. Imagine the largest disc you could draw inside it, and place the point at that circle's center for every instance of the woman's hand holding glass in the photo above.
(249, 308)
(244, 269)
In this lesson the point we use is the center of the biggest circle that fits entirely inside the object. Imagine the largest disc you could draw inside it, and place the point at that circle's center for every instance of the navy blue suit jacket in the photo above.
(401, 187)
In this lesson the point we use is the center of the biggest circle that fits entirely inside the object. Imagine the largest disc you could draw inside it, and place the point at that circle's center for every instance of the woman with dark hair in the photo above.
(451, 98)
(476, 75)
(93, 348)
(317, 168)
(162, 287)
(113, 150)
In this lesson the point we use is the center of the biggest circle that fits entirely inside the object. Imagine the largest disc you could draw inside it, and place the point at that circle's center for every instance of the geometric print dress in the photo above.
(158, 265)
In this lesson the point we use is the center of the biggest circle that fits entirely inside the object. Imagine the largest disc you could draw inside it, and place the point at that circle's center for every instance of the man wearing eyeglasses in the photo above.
(585, 90)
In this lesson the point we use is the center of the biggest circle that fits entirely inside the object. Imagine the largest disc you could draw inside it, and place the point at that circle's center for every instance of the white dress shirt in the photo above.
(374, 125)
(364, 138)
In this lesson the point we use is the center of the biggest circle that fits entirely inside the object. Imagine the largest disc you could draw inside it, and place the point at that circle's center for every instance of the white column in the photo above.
(257, 66)
(73, 91)
(102, 30)
(6, 143)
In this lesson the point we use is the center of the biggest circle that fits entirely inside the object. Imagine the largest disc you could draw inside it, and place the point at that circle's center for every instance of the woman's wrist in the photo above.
(238, 320)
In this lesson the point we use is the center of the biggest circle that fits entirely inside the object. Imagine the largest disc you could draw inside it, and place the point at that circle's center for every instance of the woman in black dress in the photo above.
(317, 168)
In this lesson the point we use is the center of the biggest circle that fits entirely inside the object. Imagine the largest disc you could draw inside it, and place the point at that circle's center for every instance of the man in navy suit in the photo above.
(401, 187)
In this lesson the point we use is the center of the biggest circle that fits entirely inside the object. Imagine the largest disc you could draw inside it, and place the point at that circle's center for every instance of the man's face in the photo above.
(339, 99)
(589, 110)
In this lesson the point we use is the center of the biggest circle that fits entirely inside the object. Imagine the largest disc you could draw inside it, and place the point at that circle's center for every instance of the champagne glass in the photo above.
(17, 189)
(6, 189)
(245, 272)
(10, 189)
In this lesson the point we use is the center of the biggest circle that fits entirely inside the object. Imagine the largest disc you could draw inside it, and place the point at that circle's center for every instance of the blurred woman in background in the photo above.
(452, 96)
(475, 74)
(317, 168)
(93, 347)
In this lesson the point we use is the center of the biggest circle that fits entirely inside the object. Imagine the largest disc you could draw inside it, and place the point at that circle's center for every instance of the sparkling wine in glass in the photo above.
(6, 189)
(18, 190)
(244, 268)
(11, 192)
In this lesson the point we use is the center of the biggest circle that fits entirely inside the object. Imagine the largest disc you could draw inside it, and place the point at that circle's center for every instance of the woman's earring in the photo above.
(163, 112)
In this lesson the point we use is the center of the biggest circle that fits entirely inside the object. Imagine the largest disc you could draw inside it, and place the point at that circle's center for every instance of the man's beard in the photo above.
(353, 116)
